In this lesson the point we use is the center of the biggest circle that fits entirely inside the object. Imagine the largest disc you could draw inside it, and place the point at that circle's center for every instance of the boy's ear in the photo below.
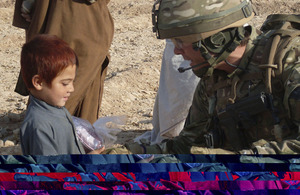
(37, 82)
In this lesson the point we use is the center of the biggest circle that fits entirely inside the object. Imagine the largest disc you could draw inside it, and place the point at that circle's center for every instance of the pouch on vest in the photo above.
(242, 116)
(280, 42)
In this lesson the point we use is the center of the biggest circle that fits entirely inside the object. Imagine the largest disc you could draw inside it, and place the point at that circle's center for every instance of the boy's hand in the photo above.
(98, 151)
(27, 17)
(26, 8)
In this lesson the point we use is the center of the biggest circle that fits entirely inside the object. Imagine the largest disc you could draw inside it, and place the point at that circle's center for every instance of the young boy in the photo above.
(48, 68)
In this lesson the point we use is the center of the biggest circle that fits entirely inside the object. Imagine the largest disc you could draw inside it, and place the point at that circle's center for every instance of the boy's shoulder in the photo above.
(37, 112)
(36, 119)
(40, 114)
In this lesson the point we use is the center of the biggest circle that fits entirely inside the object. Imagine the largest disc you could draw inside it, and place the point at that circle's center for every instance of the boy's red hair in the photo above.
(46, 56)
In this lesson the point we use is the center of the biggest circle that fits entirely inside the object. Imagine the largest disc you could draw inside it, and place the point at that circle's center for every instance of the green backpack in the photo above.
(281, 40)
(277, 48)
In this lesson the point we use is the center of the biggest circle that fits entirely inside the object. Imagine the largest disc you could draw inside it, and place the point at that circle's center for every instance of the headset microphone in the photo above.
(181, 69)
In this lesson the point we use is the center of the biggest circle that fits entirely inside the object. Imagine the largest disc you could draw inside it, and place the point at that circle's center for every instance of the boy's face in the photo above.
(61, 89)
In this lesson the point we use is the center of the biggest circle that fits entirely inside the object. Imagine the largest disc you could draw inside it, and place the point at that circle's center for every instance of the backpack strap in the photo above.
(280, 31)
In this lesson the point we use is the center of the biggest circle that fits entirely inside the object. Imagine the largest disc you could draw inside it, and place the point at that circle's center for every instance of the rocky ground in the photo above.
(133, 75)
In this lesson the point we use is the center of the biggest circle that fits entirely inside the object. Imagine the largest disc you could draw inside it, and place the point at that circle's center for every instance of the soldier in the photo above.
(248, 98)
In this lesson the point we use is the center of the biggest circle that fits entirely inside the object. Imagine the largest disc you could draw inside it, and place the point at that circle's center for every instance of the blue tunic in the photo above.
(48, 130)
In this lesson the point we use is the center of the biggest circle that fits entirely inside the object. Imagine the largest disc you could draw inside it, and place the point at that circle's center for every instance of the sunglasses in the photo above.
(179, 44)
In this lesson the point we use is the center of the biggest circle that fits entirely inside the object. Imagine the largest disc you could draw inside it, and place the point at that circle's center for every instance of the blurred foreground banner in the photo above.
(148, 174)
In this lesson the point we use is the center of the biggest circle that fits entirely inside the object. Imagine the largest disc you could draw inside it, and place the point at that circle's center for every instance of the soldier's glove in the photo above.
(136, 148)
(259, 147)
(117, 150)
(203, 150)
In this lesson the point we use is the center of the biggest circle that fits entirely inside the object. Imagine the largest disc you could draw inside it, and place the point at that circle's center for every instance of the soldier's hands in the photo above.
(135, 148)
(98, 151)
(117, 150)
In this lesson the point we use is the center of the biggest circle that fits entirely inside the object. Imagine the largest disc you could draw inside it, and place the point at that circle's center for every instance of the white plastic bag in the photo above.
(103, 132)
(108, 128)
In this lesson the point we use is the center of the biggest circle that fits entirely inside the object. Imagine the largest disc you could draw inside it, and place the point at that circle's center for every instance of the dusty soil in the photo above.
(133, 76)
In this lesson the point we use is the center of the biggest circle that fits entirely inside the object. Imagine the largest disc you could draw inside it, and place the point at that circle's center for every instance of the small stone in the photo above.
(9, 143)
(148, 114)
(21, 106)
(1, 143)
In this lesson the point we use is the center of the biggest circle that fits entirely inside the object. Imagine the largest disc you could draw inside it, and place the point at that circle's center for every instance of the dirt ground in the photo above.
(133, 76)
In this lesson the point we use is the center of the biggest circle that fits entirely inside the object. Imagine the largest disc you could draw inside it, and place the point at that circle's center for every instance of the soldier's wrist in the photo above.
(152, 149)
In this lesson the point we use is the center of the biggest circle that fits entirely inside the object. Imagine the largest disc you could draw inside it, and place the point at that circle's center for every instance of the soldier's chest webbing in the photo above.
(252, 102)
(243, 108)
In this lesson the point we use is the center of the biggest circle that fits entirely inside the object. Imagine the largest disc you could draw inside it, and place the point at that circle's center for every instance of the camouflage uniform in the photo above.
(261, 134)
(266, 124)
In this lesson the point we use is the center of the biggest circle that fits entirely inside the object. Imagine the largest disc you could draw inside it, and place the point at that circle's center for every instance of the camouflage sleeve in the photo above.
(195, 126)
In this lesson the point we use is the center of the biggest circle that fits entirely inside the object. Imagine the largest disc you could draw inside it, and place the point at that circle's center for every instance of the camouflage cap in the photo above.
(193, 20)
